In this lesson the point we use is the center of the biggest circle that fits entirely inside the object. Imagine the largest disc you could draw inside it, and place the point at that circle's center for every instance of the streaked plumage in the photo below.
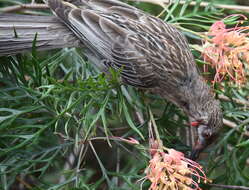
(150, 53)
(123, 37)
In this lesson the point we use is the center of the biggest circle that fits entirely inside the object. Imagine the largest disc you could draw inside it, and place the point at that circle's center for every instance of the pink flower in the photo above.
(227, 50)
(171, 170)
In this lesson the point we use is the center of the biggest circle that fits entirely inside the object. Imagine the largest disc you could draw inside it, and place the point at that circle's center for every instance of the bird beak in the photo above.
(199, 146)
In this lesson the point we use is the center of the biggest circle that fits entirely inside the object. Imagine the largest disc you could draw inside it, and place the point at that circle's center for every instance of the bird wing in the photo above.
(145, 49)
(101, 5)
(109, 40)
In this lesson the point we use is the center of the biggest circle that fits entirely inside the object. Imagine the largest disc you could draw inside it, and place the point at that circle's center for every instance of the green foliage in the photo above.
(58, 114)
(51, 106)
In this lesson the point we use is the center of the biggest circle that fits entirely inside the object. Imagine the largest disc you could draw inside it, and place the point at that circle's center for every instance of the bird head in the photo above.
(208, 126)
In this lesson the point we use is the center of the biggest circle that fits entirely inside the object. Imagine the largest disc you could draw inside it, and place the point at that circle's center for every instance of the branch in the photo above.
(229, 186)
(25, 184)
(164, 3)
(233, 125)
(237, 101)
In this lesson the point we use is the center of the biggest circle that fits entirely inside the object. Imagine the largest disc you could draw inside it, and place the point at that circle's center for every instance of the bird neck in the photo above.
(200, 99)
(189, 92)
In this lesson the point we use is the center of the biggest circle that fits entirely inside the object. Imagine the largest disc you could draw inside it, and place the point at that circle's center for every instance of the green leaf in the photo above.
(243, 144)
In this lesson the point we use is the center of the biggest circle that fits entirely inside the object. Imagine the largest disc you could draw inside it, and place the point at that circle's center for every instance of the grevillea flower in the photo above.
(169, 170)
(227, 49)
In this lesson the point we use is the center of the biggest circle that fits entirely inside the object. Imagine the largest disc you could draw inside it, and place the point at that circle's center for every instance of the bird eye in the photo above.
(206, 134)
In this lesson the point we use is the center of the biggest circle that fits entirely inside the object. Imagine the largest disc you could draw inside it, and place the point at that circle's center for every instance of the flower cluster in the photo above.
(227, 49)
(170, 170)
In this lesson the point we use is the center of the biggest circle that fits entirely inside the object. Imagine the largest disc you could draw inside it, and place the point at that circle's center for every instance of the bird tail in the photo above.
(17, 34)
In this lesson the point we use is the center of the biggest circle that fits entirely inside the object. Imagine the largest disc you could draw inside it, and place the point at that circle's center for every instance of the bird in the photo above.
(149, 53)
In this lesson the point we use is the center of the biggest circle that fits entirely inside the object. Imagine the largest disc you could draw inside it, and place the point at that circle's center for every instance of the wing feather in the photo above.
(145, 49)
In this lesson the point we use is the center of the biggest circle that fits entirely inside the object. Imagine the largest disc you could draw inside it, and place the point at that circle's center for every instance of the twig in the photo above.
(233, 125)
(25, 184)
(237, 101)
(140, 117)
(229, 123)
(117, 166)
(229, 186)
(23, 6)
(163, 3)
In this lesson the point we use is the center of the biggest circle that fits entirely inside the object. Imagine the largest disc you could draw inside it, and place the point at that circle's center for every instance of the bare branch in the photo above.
(233, 125)
(235, 100)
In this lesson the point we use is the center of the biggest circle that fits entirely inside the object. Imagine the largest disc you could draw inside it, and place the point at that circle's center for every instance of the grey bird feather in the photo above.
(150, 53)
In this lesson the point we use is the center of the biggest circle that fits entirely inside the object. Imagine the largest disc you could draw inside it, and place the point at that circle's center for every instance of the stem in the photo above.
(155, 129)
(234, 125)
(235, 100)
(163, 3)
(193, 32)
(25, 184)
(229, 186)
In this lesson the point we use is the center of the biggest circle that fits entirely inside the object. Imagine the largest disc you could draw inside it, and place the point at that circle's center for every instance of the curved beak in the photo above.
(197, 149)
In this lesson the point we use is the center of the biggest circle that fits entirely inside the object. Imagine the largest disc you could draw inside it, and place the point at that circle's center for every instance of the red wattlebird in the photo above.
(150, 54)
